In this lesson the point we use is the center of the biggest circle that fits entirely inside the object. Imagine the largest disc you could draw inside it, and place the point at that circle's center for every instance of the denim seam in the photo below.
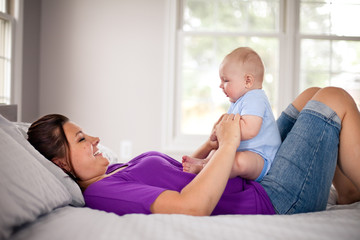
(327, 119)
(293, 120)
(309, 172)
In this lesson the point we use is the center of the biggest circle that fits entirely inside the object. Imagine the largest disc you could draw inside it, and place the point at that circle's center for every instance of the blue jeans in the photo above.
(300, 177)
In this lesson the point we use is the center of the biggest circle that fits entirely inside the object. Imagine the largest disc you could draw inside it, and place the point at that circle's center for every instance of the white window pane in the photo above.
(5, 59)
(330, 17)
(4, 83)
(2, 38)
(2, 5)
(315, 55)
(331, 63)
(346, 56)
(202, 101)
(231, 15)
(346, 67)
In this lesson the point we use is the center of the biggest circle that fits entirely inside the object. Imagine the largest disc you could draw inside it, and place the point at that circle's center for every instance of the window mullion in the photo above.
(289, 54)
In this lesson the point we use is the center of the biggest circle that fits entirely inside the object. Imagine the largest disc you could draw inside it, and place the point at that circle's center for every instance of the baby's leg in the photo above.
(193, 165)
(247, 165)
(349, 148)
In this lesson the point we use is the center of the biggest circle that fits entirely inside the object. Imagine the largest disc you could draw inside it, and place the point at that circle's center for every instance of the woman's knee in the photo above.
(300, 102)
(336, 98)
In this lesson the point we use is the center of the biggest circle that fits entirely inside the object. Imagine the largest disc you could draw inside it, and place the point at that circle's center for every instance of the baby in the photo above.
(241, 74)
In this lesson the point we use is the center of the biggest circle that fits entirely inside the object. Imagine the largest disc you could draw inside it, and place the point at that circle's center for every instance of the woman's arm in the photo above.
(202, 194)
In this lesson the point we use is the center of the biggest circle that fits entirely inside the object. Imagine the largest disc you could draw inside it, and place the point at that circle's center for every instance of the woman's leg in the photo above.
(349, 148)
(303, 169)
(301, 100)
(347, 191)
(288, 117)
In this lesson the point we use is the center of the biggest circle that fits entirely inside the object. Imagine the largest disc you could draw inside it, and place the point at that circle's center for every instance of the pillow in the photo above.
(27, 189)
(72, 187)
(23, 127)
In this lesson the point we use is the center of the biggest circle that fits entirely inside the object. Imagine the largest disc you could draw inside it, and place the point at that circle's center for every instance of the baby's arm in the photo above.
(250, 126)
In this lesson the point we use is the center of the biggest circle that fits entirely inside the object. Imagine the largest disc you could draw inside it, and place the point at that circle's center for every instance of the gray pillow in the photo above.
(27, 188)
(17, 135)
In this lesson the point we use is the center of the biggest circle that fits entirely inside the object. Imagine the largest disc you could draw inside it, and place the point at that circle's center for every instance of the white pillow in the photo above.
(27, 189)
(11, 129)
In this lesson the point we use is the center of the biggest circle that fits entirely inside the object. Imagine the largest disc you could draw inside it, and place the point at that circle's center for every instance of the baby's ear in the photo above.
(249, 80)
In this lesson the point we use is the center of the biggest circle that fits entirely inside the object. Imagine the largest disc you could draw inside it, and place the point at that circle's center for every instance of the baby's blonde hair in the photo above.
(250, 61)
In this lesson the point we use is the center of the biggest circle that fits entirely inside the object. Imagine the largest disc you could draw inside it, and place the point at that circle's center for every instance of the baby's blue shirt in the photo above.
(267, 142)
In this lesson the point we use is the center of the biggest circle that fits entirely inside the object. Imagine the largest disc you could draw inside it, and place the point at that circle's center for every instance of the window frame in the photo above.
(15, 16)
(9, 38)
(172, 140)
(289, 70)
(303, 36)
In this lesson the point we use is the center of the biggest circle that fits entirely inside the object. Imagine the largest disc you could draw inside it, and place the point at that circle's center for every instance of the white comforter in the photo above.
(338, 222)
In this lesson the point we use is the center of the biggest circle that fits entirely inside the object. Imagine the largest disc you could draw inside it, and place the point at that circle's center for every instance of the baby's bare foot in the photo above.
(192, 165)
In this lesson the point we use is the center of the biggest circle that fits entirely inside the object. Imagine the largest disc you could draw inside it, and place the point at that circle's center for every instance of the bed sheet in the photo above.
(338, 222)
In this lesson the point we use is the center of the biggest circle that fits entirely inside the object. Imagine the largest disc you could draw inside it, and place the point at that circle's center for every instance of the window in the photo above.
(302, 43)
(330, 45)
(5, 51)
(209, 30)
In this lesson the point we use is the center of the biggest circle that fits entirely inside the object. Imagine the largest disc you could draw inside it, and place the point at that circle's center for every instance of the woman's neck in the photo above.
(86, 183)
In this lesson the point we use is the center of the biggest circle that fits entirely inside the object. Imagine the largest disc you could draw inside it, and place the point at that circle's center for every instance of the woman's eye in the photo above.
(81, 139)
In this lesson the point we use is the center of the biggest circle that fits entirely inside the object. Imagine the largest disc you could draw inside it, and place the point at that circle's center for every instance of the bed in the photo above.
(39, 201)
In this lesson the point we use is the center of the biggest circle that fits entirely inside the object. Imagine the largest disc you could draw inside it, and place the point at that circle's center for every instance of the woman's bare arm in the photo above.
(202, 194)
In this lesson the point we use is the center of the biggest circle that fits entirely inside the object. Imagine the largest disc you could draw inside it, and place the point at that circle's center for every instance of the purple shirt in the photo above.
(135, 188)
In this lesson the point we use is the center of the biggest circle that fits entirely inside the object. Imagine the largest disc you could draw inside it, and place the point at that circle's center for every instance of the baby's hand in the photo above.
(213, 141)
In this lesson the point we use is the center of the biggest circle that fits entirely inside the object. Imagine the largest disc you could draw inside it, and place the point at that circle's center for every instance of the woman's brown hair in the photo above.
(48, 137)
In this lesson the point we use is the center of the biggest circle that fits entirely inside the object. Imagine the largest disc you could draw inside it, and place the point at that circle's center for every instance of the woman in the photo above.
(299, 180)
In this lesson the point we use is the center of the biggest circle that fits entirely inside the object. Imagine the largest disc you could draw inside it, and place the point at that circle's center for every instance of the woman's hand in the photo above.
(213, 139)
(202, 194)
(227, 130)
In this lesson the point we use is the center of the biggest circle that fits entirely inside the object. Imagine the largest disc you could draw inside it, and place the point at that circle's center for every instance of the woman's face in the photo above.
(85, 157)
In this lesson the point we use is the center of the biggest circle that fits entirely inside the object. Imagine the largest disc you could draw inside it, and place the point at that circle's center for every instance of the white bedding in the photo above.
(338, 222)
(35, 197)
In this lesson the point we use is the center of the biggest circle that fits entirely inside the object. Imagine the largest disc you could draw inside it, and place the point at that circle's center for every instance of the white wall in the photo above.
(30, 61)
(102, 65)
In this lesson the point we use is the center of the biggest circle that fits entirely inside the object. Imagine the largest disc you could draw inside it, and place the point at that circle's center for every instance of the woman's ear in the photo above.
(61, 163)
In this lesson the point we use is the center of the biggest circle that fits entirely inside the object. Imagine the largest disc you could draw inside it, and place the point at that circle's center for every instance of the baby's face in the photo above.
(233, 82)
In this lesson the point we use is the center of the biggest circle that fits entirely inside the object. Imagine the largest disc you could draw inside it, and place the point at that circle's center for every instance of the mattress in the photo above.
(337, 222)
